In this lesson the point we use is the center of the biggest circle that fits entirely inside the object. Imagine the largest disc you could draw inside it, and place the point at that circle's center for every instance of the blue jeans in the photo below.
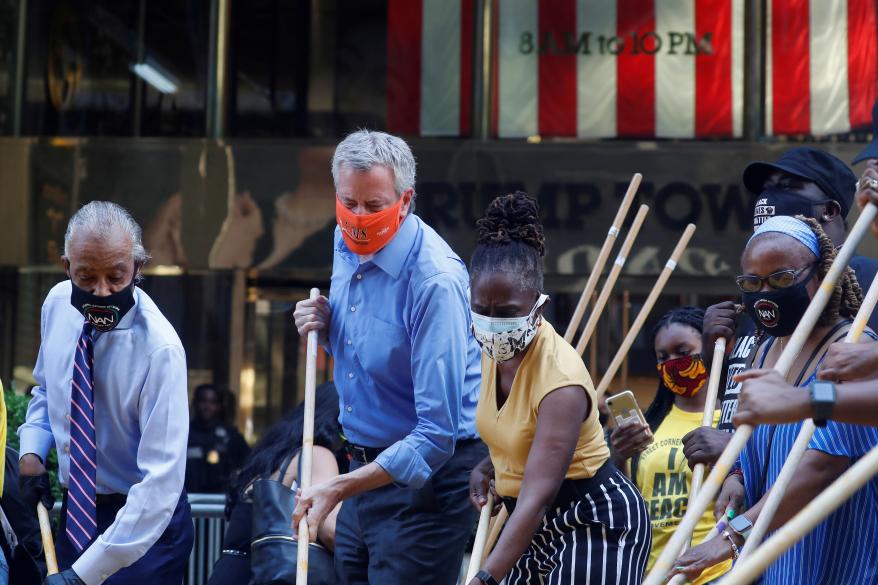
(398, 536)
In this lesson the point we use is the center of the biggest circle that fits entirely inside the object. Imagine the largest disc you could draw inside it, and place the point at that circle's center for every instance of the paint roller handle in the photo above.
(48, 541)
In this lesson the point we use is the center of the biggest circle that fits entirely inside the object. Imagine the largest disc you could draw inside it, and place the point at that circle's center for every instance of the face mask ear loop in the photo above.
(541, 300)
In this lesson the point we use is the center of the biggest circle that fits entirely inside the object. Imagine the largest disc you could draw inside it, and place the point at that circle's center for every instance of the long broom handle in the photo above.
(719, 350)
(804, 522)
(475, 560)
(772, 501)
(644, 311)
(599, 305)
(603, 255)
(307, 446)
(716, 365)
(496, 529)
(730, 454)
(48, 541)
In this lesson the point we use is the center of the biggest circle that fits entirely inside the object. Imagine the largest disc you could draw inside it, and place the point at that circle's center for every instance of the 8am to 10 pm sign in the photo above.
(632, 68)
(619, 68)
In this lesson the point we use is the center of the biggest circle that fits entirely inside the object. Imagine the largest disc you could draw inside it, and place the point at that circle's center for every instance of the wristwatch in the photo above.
(823, 398)
(486, 578)
(741, 526)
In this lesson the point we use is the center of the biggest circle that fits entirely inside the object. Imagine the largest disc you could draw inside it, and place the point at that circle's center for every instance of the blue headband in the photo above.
(795, 228)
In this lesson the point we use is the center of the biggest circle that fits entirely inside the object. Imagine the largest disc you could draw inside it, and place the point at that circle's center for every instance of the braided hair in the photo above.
(661, 405)
(511, 240)
(847, 296)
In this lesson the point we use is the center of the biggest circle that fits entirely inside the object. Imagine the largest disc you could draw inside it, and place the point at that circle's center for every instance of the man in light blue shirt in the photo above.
(407, 370)
(112, 399)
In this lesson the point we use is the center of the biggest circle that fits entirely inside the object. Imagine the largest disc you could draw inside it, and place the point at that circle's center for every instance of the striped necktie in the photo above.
(82, 524)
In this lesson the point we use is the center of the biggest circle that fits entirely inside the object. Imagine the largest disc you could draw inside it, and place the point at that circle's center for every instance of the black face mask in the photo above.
(774, 202)
(778, 312)
(104, 313)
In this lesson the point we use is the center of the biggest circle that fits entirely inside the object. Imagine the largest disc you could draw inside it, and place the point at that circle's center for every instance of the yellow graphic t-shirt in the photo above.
(664, 477)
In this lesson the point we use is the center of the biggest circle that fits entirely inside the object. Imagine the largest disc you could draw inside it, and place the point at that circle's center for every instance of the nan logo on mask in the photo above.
(767, 311)
(101, 317)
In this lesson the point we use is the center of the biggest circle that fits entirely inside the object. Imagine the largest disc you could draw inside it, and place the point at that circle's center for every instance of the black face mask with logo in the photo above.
(778, 312)
(104, 313)
(774, 202)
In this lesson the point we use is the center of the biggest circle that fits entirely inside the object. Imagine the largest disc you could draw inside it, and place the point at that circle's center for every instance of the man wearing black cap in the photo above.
(803, 181)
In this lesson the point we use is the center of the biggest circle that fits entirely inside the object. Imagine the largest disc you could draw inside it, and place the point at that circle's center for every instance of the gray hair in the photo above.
(100, 218)
(363, 149)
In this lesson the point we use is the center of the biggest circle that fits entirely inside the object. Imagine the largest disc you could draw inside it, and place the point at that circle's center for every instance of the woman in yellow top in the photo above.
(573, 517)
(659, 465)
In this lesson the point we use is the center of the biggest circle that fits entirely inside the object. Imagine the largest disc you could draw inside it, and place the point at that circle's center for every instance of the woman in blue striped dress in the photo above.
(783, 265)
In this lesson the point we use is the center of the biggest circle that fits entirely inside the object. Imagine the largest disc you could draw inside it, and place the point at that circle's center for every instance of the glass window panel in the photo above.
(109, 68)
(176, 36)
(8, 22)
(269, 63)
(323, 69)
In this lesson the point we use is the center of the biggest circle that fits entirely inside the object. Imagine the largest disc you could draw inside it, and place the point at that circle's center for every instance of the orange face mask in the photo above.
(367, 234)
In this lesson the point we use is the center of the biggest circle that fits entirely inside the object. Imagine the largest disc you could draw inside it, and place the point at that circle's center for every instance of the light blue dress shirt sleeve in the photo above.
(438, 368)
(35, 435)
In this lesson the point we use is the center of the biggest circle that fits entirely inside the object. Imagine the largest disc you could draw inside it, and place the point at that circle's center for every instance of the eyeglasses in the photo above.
(778, 280)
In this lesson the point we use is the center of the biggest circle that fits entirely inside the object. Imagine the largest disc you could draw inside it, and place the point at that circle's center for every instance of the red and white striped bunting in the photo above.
(429, 66)
(822, 66)
(626, 68)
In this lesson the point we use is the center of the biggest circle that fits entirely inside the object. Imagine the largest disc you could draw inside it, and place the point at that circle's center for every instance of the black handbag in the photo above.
(273, 548)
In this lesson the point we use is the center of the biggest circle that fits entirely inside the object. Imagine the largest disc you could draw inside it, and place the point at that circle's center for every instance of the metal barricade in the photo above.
(208, 516)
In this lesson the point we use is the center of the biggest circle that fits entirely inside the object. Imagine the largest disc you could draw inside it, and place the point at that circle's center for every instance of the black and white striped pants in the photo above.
(598, 532)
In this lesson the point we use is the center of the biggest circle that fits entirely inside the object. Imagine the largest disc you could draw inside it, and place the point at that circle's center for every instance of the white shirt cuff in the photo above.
(95, 565)
(36, 441)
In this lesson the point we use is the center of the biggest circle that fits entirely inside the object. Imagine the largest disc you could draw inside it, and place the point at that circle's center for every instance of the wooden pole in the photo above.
(794, 346)
(599, 305)
(760, 527)
(804, 522)
(596, 270)
(475, 560)
(593, 358)
(307, 446)
(716, 365)
(644, 311)
(593, 353)
(496, 529)
(626, 324)
(48, 542)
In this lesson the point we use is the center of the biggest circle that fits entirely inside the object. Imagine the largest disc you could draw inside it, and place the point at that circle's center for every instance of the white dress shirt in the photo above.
(141, 421)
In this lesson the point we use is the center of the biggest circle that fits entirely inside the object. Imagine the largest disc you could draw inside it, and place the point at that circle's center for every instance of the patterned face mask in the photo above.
(503, 338)
(684, 375)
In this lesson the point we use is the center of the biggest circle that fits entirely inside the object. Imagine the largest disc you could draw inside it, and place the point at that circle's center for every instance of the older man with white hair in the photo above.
(397, 324)
(111, 398)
